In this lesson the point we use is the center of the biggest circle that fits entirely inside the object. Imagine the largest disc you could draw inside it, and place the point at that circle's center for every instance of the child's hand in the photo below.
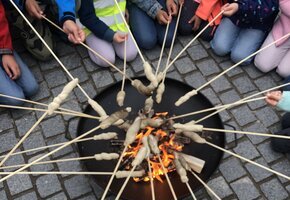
(272, 98)
(33, 9)
(162, 17)
(171, 7)
(75, 33)
(197, 22)
(120, 37)
(230, 9)
(181, 2)
(11, 67)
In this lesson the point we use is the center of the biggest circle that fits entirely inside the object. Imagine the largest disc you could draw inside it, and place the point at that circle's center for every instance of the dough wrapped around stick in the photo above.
(183, 162)
(98, 108)
(188, 127)
(146, 145)
(185, 98)
(194, 163)
(120, 98)
(113, 118)
(159, 79)
(153, 144)
(141, 155)
(179, 168)
(150, 75)
(55, 104)
(132, 131)
(106, 136)
(125, 174)
(160, 91)
(125, 126)
(155, 123)
(142, 88)
(194, 137)
(106, 156)
(148, 104)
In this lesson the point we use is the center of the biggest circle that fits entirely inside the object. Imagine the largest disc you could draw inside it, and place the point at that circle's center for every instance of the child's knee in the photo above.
(101, 62)
(219, 48)
(131, 55)
(32, 89)
(262, 65)
(237, 56)
(147, 42)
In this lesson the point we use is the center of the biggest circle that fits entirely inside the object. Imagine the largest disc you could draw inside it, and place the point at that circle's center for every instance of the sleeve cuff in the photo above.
(67, 16)
(6, 51)
(284, 103)
(153, 12)
(109, 35)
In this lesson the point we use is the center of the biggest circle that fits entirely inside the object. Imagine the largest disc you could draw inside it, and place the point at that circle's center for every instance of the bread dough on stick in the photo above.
(154, 123)
(185, 98)
(189, 127)
(160, 91)
(120, 98)
(141, 87)
(179, 168)
(115, 117)
(98, 108)
(125, 174)
(153, 143)
(55, 104)
(150, 75)
(132, 131)
(148, 104)
(106, 156)
(105, 136)
(194, 137)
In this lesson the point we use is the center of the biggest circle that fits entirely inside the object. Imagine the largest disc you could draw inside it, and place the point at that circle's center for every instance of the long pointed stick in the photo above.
(24, 137)
(151, 180)
(50, 153)
(167, 178)
(247, 160)
(59, 173)
(125, 183)
(205, 185)
(190, 190)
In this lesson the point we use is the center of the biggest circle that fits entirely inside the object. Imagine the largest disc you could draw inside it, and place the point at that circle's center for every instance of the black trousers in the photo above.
(282, 145)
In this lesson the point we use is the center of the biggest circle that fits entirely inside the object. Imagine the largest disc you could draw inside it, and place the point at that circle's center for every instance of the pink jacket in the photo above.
(282, 25)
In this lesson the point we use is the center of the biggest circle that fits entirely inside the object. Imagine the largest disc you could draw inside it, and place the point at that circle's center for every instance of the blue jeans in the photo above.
(24, 86)
(148, 31)
(239, 42)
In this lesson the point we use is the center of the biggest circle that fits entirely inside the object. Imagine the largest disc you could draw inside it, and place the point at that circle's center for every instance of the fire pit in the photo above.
(140, 188)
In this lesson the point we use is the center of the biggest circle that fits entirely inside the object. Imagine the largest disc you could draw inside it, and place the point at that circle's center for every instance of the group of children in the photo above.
(240, 31)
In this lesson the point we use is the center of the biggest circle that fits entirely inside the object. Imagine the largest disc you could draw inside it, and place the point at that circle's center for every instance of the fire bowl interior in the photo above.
(141, 190)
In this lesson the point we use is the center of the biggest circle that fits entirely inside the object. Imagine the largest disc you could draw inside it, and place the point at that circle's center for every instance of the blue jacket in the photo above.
(66, 9)
(151, 7)
(256, 14)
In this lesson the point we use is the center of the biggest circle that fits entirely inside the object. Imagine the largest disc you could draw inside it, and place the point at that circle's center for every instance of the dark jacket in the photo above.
(256, 14)
(5, 38)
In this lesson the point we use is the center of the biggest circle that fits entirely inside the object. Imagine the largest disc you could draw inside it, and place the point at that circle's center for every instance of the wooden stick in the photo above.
(190, 190)
(193, 40)
(247, 160)
(50, 153)
(24, 137)
(125, 183)
(58, 173)
(130, 32)
(125, 65)
(247, 133)
(245, 59)
(162, 48)
(114, 173)
(151, 179)
(216, 107)
(167, 178)
(205, 185)
(46, 147)
(44, 110)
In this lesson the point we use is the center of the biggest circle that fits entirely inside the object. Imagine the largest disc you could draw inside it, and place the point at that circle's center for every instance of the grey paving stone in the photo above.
(40, 168)
(230, 96)
(257, 104)
(282, 167)
(73, 166)
(220, 187)
(16, 114)
(18, 184)
(243, 115)
(57, 128)
(256, 127)
(14, 160)
(197, 52)
(90, 65)
(247, 150)
(82, 51)
(89, 88)
(244, 84)
(232, 169)
(265, 83)
(63, 48)
(184, 65)
(80, 73)
(42, 93)
(208, 67)
(252, 71)
(268, 153)
(224, 115)
(267, 116)
(195, 80)
(72, 61)
(60, 196)
(218, 59)
(102, 78)
(258, 173)
(6, 122)
(119, 77)
(37, 73)
(90, 197)
(184, 40)
(227, 64)
(137, 65)
(48, 65)
(25, 123)
(55, 78)
(56, 140)
(210, 95)
(77, 186)
(3, 195)
(231, 137)
(72, 104)
(174, 75)
(28, 196)
(220, 84)
(33, 141)
(154, 53)
(176, 50)
(7, 141)
(273, 190)
(72, 127)
(245, 189)
(47, 185)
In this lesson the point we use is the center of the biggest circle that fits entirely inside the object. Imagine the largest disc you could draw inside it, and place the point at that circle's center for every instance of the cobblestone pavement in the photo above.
(234, 179)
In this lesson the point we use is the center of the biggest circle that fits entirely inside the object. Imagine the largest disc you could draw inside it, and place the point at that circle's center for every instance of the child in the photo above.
(277, 55)
(244, 28)
(281, 101)
(107, 31)
(148, 20)
(15, 77)
(197, 14)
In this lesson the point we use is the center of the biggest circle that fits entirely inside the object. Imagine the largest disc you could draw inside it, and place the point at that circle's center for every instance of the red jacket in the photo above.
(5, 38)
(208, 9)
